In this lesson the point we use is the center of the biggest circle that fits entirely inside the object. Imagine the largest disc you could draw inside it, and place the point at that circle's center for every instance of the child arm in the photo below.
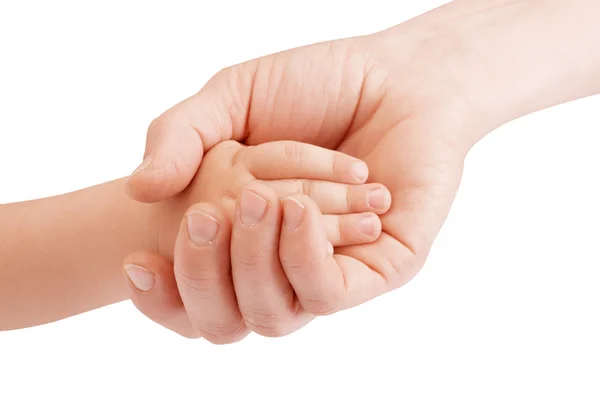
(61, 256)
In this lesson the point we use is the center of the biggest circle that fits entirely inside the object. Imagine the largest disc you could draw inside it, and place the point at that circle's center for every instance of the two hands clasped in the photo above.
(408, 103)
(255, 249)
(352, 155)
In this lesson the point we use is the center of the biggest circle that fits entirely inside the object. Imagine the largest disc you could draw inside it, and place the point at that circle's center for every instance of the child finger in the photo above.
(289, 159)
(352, 229)
(337, 198)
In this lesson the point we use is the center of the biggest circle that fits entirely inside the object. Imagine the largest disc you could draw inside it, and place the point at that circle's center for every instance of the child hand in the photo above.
(333, 180)
(212, 295)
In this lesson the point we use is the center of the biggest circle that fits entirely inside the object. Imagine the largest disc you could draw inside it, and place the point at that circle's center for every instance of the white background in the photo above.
(507, 304)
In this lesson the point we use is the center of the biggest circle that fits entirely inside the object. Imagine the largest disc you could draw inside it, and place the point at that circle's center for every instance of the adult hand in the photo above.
(410, 101)
(260, 288)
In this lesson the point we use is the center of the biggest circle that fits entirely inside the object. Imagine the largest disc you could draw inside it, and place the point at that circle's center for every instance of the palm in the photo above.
(329, 96)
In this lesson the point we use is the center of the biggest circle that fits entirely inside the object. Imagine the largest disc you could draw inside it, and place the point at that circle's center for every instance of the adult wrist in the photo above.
(503, 59)
(531, 54)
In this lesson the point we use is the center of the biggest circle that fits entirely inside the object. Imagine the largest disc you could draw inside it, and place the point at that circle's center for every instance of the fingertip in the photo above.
(145, 270)
(370, 226)
(160, 180)
(204, 235)
(293, 212)
(138, 189)
(205, 223)
(151, 284)
(256, 203)
(349, 169)
(303, 219)
(379, 199)
(141, 278)
(174, 151)
(298, 209)
(203, 274)
(152, 185)
(359, 171)
(148, 259)
(261, 189)
(153, 291)
(144, 165)
(304, 201)
(298, 197)
(307, 257)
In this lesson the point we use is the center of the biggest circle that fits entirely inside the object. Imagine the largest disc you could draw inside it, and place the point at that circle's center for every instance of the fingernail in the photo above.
(202, 227)
(378, 199)
(145, 164)
(360, 170)
(293, 213)
(329, 249)
(252, 208)
(140, 277)
(367, 225)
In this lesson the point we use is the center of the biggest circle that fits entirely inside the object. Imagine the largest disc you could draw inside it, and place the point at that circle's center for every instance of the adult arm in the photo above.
(411, 101)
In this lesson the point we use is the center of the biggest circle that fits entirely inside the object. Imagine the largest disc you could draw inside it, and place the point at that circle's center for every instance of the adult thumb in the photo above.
(153, 290)
(177, 139)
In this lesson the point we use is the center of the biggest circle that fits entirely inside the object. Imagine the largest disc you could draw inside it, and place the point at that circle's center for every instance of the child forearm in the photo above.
(62, 255)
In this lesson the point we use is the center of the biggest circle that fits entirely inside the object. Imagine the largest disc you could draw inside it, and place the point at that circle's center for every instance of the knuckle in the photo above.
(160, 316)
(231, 78)
(224, 145)
(307, 187)
(248, 259)
(349, 200)
(266, 324)
(324, 302)
(201, 282)
(222, 333)
(335, 162)
(297, 186)
(223, 73)
(225, 157)
(230, 193)
(228, 149)
(189, 334)
(345, 229)
(321, 306)
(240, 156)
(177, 166)
(400, 269)
(296, 264)
(158, 124)
(294, 154)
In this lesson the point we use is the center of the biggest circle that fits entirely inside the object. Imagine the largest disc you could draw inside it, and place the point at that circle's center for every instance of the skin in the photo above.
(61, 256)
(410, 101)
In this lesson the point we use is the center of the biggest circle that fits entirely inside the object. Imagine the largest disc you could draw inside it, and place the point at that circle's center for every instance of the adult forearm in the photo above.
(61, 256)
(513, 57)
(538, 54)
